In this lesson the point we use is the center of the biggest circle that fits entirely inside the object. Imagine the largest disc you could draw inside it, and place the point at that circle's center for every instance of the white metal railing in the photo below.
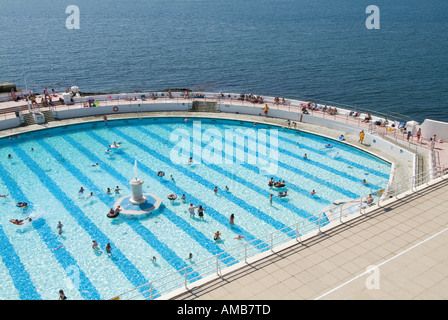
(343, 114)
(240, 254)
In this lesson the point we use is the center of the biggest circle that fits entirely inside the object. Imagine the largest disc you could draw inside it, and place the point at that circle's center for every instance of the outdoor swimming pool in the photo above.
(48, 167)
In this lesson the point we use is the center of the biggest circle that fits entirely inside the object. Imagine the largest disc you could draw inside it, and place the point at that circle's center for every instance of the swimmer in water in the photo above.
(16, 221)
(201, 212)
(20, 222)
(22, 204)
(111, 213)
(60, 227)
(94, 245)
(191, 209)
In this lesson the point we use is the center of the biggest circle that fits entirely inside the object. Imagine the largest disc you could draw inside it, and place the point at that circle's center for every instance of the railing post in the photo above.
(319, 221)
(360, 206)
(151, 289)
(217, 265)
(185, 277)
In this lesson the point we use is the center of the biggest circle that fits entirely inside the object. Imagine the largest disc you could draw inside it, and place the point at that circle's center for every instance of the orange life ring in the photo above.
(115, 109)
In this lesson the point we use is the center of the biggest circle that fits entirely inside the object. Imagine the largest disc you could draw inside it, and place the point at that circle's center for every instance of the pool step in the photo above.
(48, 114)
(28, 119)
(204, 106)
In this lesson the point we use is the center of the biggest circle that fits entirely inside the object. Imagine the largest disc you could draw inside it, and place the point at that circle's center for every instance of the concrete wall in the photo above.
(122, 108)
(432, 127)
(10, 123)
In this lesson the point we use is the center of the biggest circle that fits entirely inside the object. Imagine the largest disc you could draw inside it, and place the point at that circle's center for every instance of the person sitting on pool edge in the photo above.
(369, 200)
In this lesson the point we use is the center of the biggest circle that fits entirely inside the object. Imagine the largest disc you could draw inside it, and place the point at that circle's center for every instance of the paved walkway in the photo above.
(407, 240)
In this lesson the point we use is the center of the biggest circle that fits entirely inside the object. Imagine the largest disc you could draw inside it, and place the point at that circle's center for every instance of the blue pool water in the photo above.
(48, 168)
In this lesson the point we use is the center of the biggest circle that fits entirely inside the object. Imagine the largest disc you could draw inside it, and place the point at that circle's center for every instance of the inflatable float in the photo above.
(172, 196)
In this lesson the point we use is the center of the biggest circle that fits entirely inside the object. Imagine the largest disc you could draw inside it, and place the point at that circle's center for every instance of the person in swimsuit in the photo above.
(191, 209)
(201, 212)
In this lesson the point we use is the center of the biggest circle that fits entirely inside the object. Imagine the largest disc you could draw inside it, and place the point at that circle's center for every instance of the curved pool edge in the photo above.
(328, 133)
(400, 169)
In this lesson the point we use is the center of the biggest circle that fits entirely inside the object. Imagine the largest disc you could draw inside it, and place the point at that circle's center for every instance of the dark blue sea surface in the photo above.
(317, 50)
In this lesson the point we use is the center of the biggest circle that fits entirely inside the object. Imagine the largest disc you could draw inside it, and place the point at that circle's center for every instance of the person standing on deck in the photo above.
(361, 136)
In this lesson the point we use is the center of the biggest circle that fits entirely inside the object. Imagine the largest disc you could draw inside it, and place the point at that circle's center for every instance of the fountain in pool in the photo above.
(137, 204)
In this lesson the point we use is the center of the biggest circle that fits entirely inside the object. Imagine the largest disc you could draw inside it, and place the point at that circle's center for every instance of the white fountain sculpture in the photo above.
(137, 204)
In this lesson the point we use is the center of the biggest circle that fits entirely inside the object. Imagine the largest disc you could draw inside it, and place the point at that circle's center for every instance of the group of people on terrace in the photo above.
(317, 107)
(46, 98)
(251, 98)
